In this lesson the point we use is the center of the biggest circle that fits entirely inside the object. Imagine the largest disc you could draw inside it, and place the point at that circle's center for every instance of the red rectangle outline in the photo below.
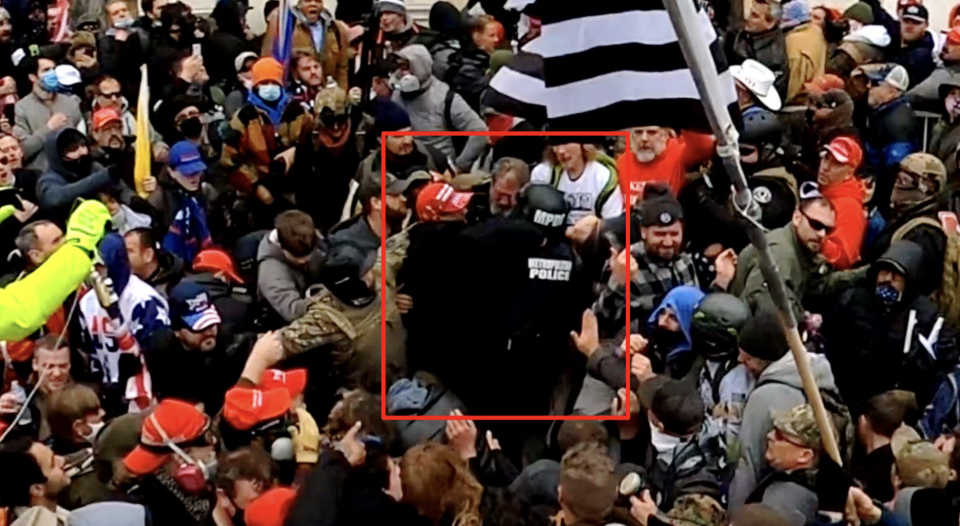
(383, 279)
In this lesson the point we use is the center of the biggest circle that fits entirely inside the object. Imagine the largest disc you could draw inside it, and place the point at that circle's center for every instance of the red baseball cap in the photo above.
(243, 408)
(437, 199)
(294, 381)
(270, 508)
(217, 260)
(105, 116)
(824, 83)
(173, 421)
(846, 150)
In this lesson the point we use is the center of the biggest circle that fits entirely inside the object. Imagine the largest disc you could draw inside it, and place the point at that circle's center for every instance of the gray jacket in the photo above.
(30, 124)
(283, 285)
(926, 95)
(426, 110)
(779, 389)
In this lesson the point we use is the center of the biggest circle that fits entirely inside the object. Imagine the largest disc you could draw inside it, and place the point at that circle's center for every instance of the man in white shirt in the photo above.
(586, 176)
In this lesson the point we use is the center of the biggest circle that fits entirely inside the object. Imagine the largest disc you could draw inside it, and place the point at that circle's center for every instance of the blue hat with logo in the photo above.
(185, 158)
(190, 302)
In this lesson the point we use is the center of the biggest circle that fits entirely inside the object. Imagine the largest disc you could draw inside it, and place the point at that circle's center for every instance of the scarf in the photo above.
(196, 505)
(188, 233)
(275, 113)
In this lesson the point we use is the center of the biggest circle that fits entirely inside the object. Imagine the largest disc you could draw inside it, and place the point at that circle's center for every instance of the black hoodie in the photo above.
(864, 339)
(60, 186)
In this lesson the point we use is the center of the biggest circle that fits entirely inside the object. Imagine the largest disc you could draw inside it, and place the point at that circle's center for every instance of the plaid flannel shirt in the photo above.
(655, 279)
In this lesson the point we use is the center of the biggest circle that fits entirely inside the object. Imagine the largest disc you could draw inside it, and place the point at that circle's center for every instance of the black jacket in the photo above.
(916, 57)
(196, 375)
(325, 182)
(334, 495)
(527, 294)
(864, 340)
(121, 59)
(467, 74)
(931, 239)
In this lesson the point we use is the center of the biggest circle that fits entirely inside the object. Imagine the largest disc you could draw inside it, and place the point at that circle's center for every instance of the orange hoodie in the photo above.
(682, 154)
(842, 248)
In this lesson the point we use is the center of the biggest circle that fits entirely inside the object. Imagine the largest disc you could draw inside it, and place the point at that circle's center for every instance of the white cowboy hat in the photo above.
(759, 80)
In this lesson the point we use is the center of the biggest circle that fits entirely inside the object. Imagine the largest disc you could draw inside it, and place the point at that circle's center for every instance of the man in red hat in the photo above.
(838, 183)
(174, 462)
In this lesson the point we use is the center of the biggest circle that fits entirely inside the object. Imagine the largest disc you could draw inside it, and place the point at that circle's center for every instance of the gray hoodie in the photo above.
(426, 110)
(779, 389)
(283, 285)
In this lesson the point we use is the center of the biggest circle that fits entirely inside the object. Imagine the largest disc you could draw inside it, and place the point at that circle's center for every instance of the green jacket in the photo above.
(26, 304)
(794, 261)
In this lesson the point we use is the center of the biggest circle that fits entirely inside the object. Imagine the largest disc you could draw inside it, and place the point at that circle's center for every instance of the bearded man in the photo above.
(658, 154)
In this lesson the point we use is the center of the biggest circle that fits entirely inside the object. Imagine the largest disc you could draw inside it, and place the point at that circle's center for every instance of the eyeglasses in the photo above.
(818, 226)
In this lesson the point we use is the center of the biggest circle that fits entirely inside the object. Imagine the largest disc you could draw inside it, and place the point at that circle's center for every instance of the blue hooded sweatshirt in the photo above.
(683, 301)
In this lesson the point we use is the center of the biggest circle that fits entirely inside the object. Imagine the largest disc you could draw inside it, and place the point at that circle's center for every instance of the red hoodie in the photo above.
(842, 248)
(682, 154)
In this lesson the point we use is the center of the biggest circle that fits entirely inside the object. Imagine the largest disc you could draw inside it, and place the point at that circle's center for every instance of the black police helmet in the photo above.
(761, 128)
(717, 323)
(545, 206)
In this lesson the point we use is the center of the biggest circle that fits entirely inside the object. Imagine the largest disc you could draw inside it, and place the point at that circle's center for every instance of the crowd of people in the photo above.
(205, 326)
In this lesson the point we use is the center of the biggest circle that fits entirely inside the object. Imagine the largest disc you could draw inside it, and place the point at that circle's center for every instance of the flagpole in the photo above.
(695, 49)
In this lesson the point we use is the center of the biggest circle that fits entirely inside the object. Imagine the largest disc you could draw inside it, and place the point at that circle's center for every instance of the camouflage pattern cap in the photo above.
(333, 98)
(696, 510)
(799, 425)
(926, 168)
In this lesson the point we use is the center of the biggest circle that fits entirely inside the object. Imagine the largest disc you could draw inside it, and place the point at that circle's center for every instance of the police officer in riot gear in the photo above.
(722, 381)
(531, 293)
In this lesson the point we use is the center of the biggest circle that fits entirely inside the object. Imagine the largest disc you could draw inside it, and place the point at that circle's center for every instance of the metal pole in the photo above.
(696, 51)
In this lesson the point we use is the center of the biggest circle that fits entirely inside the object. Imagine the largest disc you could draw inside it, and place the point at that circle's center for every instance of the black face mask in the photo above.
(79, 167)
(192, 128)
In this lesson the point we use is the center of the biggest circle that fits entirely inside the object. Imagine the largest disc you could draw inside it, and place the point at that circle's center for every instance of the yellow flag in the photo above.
(141, 168)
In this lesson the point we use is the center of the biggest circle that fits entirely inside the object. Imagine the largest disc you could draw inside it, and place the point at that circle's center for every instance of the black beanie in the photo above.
(763, 337)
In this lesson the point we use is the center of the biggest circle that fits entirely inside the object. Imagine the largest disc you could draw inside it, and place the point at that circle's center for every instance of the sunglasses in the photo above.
(329, 121)
(114, 95)
(818, 226)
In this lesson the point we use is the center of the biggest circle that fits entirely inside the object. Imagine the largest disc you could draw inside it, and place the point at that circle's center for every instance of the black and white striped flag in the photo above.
(517, 89)
(616, 64)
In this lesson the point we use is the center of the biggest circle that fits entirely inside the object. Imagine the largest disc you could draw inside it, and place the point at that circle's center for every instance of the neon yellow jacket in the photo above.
(26, 304)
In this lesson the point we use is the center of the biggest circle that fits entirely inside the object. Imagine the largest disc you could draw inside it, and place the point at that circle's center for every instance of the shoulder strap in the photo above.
(447, 108)
(611, 185)
(556, 172)
(913, 223)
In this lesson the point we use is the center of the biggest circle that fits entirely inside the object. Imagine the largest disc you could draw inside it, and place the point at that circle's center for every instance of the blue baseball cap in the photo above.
(191, 303)
(185, 158)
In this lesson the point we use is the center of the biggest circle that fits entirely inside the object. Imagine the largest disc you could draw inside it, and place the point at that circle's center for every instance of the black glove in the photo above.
(833, 485)
(10, 196)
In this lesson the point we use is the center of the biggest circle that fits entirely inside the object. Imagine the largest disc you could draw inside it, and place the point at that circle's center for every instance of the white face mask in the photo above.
(94, 431)
(661, 441)
(407, 83)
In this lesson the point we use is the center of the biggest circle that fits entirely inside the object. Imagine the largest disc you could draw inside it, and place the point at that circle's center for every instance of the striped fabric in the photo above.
(517, 88)
(615, 64)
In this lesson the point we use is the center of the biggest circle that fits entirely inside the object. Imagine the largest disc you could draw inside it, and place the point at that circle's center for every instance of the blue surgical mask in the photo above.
(123, 23)
(49, 83)
(887, 295)
(270, 92)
